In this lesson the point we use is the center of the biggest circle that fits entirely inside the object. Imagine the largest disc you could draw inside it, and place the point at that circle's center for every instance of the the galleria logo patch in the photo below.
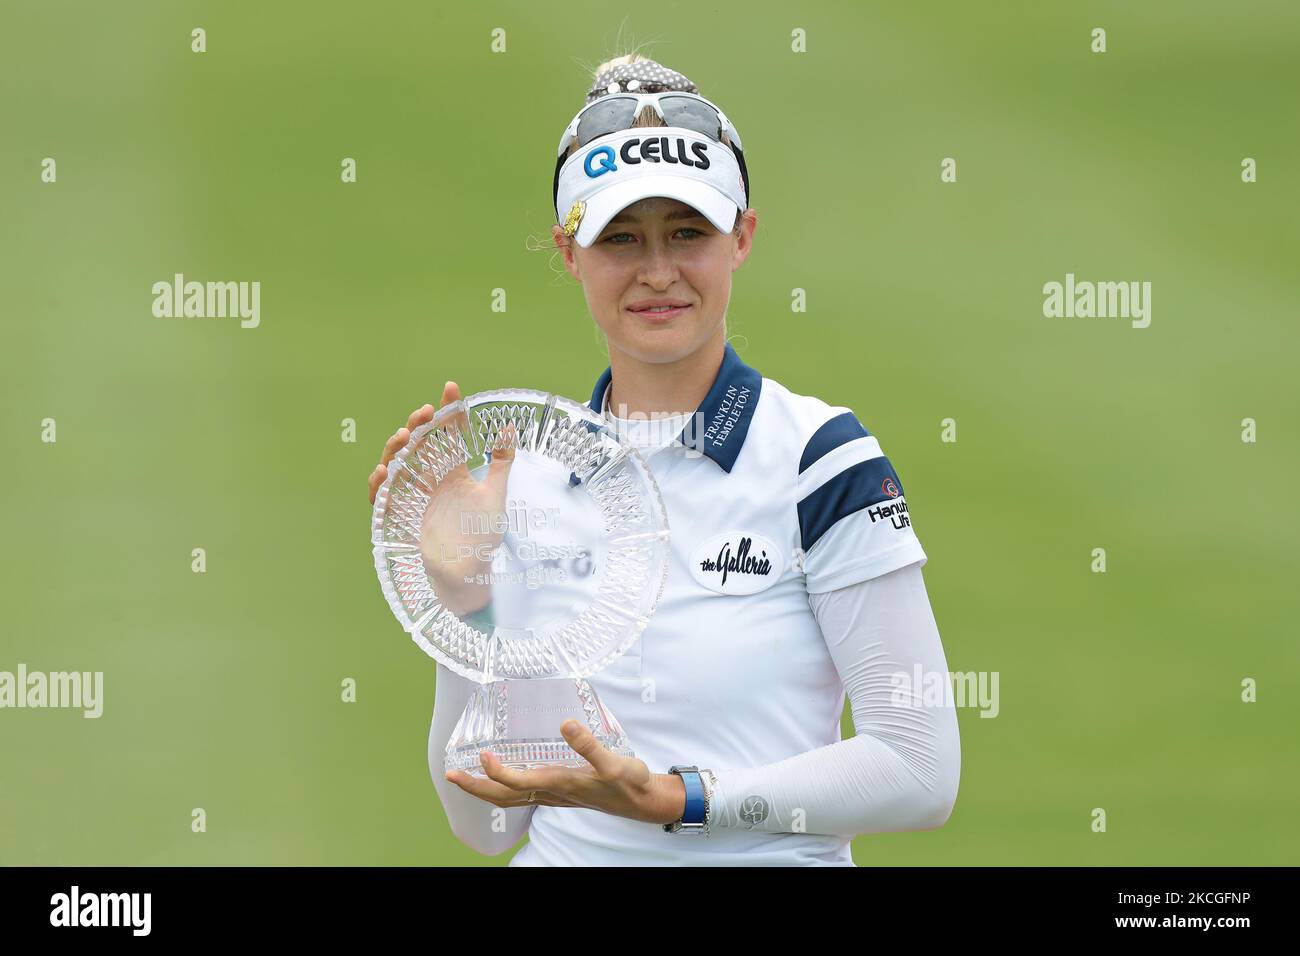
(737, 562)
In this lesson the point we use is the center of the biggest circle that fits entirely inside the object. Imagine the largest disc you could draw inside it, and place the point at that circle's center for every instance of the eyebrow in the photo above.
(671, 217)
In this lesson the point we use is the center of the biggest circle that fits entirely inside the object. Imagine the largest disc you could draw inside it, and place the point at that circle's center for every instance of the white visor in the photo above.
(612, 172)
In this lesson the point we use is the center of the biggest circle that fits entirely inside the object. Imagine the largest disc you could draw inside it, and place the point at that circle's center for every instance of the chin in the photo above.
(660, 345)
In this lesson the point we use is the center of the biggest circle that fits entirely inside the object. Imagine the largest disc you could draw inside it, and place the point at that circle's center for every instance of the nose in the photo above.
(658, 268)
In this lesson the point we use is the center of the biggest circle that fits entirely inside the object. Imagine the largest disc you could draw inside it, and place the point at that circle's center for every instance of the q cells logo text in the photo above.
(606, 154)
(658, 149)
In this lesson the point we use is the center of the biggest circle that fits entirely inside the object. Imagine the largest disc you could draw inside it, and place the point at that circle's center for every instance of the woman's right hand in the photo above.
(423, 414)
(457, 557)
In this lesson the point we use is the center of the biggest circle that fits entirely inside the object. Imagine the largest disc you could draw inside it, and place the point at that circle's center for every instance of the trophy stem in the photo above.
(519, 721)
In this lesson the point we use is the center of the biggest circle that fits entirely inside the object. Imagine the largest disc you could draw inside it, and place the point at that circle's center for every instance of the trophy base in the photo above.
(519, 721)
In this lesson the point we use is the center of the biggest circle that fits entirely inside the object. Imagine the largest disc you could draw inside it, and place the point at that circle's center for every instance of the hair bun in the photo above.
(647, 75)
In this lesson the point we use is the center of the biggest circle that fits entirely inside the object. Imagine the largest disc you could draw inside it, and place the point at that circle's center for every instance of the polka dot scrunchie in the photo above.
(643, 76)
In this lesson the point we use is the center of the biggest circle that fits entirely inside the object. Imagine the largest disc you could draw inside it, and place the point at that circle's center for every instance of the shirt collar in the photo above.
(719, 426)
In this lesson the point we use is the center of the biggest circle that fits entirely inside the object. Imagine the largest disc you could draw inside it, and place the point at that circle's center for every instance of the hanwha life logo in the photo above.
(737, 562)
(890, 487)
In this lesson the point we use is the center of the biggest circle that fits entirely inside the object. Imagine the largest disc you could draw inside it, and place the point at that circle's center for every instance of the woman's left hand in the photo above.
(622, 786)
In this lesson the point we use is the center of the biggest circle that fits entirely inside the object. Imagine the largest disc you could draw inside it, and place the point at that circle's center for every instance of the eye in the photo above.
(619, 235)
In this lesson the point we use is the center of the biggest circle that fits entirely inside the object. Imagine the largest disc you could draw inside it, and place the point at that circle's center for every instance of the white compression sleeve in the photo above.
(900, 770)
(470, 818)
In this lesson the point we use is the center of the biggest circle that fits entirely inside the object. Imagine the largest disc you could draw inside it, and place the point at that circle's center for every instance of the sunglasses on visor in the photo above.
(616, 112)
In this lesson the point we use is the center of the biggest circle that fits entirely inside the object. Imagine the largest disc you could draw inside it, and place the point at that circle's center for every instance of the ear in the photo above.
(745, 240)
(568, 247)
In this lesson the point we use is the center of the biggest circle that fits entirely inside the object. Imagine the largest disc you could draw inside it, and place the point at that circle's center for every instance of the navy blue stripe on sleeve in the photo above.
(838, 431)
(860, 486)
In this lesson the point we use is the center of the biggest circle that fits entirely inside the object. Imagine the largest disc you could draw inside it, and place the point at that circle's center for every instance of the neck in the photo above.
(656, 389)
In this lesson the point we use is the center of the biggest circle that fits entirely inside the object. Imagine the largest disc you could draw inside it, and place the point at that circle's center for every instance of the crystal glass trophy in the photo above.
(523, 544)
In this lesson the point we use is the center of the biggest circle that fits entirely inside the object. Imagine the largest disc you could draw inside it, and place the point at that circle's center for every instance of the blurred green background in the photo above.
(1118, 690)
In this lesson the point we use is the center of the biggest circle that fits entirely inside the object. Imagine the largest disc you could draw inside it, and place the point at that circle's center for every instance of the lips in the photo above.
(659, 317)
(664, 305)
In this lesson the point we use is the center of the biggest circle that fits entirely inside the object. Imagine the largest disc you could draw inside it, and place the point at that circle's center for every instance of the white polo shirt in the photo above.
(770, 496)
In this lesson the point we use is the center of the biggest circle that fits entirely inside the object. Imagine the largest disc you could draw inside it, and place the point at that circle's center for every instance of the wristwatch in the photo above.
(699, 793)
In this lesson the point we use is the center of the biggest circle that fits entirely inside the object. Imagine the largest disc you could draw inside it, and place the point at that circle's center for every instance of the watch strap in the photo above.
(695, 813)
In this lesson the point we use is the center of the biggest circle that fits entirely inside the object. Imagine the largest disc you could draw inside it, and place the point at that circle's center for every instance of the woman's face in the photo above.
(659, 249)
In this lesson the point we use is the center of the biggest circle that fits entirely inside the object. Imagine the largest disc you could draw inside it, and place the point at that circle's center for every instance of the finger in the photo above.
(486, 789)
(451, 394)
(503, 456)
(512, 797)
(376, 479)
(506, 796)
(394, 445)
(562, 782)
(418, 417)
(585, 743)
(548, 799)
(507, 442)
(543, 799)
(517, 780)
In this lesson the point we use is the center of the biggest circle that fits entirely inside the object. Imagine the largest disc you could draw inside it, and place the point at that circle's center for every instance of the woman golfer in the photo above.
(795, 573)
